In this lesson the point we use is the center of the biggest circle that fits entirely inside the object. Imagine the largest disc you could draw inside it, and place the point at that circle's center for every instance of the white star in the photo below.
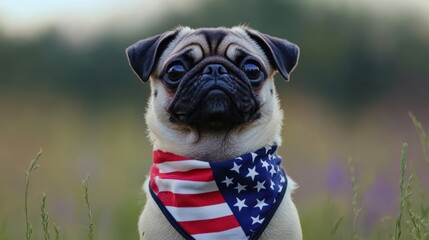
(252, 173)
(239, 158)
(257, 220)
(259, 185)
(282, 179)
(265, 164)
(240, 187)
(260, 204)
(272, 171)
(270, 156)
(254, 155)
(280, 188)
(236, 168)
(272, 185)
(240, 204)
(228, 181)
(267, 149)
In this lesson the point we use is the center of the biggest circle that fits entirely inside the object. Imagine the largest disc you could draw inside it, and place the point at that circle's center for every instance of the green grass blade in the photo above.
(355, 205)
(86, 197)
(33, 166)
(44, 217)
(398, 227)
(424, 141)
(57, 232)
(336, 225)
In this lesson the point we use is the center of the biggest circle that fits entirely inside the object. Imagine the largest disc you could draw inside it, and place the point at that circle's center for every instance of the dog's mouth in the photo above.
(216, 110)
(215, 99)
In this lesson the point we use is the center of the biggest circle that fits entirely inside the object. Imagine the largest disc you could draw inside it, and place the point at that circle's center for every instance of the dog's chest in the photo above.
(235, 198)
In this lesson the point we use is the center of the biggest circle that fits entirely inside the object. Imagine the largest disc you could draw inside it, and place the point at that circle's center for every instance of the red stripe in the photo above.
(160, 156)
(190, 200)
(154, 171)
(210, 225)
(200, 175)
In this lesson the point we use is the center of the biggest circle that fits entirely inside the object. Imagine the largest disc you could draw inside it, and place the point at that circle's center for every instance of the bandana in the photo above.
(231, 199)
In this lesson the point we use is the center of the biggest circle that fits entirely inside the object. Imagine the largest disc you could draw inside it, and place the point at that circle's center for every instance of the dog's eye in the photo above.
(176, 72)
(252, 71)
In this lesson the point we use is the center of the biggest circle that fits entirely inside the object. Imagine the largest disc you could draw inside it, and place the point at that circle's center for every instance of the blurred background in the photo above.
(66, 87)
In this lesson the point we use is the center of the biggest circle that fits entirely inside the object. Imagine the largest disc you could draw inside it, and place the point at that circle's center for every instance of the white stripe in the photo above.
(182, 214)
(234, 233)
(184, 186)
(182, 166)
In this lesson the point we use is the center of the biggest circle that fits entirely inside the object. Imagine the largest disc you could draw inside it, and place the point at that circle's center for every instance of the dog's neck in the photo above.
(215, 147)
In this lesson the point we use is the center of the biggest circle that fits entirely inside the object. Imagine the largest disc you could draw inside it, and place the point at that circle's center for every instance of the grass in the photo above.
(44, 216)
(355, 205)
(404, 194)
(418, 223)
(57, 231)
(88, 206)
(411, 222)
(424, 141)
(33, 166)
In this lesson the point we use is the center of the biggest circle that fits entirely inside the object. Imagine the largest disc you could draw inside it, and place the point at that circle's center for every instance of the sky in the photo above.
(80, 18)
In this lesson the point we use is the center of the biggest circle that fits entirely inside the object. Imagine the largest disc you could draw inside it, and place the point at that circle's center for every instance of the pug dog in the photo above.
(214, 120)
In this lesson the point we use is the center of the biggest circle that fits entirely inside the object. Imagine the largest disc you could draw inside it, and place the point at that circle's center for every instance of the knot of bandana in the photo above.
(230, 199)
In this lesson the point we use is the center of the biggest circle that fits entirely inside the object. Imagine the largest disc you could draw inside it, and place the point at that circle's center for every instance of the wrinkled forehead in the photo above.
(228, 42)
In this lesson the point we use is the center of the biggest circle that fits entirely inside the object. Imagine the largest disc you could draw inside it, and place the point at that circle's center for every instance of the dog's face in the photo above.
(211, 80)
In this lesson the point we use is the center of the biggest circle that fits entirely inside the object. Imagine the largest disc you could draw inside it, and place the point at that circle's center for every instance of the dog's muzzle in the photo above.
(218, 97)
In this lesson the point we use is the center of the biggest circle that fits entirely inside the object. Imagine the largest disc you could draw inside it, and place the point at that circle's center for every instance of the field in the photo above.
(109, 145)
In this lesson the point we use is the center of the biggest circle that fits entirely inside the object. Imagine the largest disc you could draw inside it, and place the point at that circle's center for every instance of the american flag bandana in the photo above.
(232, 199)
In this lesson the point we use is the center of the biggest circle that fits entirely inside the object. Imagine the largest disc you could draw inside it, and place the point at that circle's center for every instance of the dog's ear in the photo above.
(282, 54)
(144, 54)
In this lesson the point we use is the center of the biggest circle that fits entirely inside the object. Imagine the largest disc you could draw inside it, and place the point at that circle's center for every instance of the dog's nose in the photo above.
(215, 70)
